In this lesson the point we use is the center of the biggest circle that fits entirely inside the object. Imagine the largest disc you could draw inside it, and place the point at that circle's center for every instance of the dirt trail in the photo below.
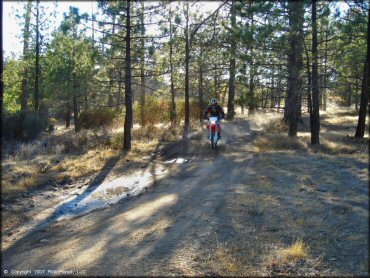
(223, 212)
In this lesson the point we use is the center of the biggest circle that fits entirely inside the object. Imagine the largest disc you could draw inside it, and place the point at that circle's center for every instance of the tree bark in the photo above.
(293, 100)
(349, 96)
(68, 114)
(142, 68)
(279, 87)
(128, 93)
(37, 64)
(173, 102)
(119, 93)
(75, 113)
(201, 107)
(111, 70)
(251, 72)
(26, 38)
(309, 86)
(325, 72)
(75, 104)
(273, 98)
(315, 130)
(230, 103)
(356, 95)
(187, 58)
(2, 59)
(365, 90)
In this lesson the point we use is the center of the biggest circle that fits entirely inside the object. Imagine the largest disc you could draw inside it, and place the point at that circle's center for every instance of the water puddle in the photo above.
(176, 161)
(108, 193)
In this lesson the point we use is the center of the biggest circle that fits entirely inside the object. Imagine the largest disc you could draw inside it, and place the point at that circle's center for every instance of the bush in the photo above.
(12, 125)
(97, 117)
(34, 124)
(156, 111)
(194, 109)
(24, 126)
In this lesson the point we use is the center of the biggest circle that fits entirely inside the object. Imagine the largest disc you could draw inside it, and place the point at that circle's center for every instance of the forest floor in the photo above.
(261, 205)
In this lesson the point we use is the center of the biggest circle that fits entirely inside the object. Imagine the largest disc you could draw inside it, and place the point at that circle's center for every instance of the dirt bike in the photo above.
(213, 131)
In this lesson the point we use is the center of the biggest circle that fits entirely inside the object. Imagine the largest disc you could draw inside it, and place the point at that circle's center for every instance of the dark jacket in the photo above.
(215, 111)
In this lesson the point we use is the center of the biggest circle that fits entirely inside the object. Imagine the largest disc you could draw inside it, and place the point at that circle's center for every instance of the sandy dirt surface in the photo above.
(225, 212)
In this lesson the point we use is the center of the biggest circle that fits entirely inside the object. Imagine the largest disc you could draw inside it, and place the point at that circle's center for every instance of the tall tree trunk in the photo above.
(119, 93)
(2, 59)
(26, 38)
(215, 82)
(325, 71)
(279, 87)
(293, 100)
(230, 103)
(187, 58)
(309, 86)
(349, 95)
(75, 104)
(365, 90)
(173, 102)
(356, 95)
(128, 93)
(251, 71)
(142, 68)
(86, 96)
(37, 65)
(315, 130)
(110, 95)
(273, 98)
(111, 70)
(68, 114)
(75, 113)
(201, 101)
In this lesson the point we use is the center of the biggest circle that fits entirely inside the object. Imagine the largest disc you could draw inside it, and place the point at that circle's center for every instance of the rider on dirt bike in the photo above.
(215, 110)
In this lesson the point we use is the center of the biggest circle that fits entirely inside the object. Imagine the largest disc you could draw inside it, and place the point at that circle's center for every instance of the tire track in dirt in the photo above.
(223, 212)
(198, 189)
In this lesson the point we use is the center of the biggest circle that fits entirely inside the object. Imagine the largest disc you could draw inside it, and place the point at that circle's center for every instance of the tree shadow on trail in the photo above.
(236, 205)
(67, 206)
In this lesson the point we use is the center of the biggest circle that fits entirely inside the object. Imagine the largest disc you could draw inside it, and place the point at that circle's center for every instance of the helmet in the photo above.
(214, 102)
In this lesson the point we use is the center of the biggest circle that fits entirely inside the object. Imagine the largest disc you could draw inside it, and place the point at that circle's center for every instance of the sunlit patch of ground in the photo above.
(280, 207)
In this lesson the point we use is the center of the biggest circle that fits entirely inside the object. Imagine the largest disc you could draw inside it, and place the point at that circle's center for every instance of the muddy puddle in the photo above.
(108, 193)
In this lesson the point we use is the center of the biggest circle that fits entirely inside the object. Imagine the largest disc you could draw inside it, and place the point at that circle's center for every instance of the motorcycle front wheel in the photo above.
(213, 141)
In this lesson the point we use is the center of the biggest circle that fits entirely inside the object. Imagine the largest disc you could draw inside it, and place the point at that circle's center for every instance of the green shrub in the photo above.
(12, 125)
(24, 126)
(96, 117)
(116, 141)
(34, 124)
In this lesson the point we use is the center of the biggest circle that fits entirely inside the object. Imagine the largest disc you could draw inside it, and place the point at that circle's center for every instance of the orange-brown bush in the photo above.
(96, 117)
(157, 110)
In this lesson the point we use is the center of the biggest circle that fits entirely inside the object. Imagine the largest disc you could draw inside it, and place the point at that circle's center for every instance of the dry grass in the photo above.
(81, 165)
(296, 251)
(18, 176)
(277, 142)
(336, 135)
(228, 263)
(339, 119)
(66, 156)
(20, 185)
